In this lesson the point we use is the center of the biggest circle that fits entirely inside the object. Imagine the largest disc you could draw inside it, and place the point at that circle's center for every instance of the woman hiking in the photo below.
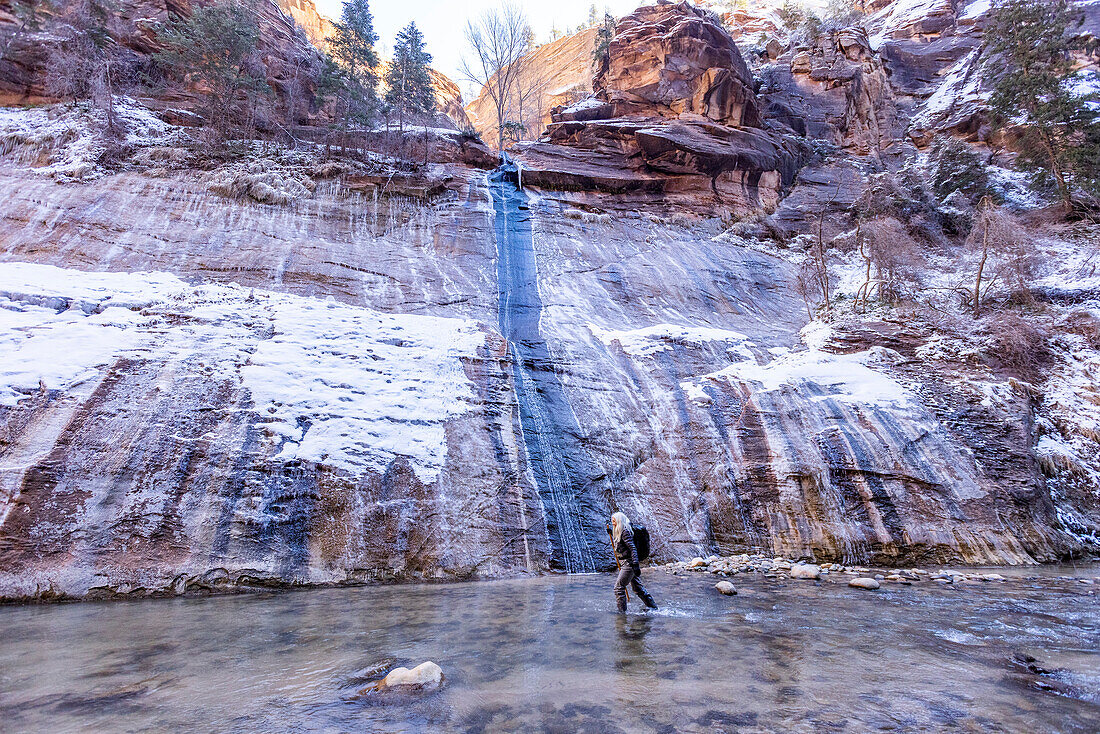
(626, 556)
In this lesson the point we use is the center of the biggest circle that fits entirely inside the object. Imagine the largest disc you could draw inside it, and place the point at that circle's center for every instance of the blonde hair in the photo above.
(619, 522)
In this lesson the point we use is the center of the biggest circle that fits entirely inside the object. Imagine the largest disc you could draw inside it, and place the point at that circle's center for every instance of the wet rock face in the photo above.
(677, 59)
(170, 464)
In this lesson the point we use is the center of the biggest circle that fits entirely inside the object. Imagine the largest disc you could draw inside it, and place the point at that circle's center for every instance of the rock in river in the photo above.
(725, 587)
(863, 582)
(425, 676)
(805, 571)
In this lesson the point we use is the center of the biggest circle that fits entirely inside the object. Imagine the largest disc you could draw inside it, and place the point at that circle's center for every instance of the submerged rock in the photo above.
(402, 682)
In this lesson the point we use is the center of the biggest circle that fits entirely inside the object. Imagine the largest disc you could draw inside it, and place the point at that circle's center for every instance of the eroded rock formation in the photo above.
(674, 121)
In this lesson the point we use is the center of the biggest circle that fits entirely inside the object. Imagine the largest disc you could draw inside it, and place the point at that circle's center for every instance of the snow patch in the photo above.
(976, 9)
(816, 334)
(1086, 84)
(658, 338)
(343, 386)
(848, 378)
(589, 103)
(354, 388)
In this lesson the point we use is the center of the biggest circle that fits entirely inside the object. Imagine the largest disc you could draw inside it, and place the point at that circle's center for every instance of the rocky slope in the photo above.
(276, 372)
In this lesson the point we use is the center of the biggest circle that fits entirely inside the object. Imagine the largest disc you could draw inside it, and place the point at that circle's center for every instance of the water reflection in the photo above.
(550, 654)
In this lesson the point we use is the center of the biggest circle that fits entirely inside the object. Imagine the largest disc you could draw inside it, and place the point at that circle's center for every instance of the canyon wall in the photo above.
(280, 372)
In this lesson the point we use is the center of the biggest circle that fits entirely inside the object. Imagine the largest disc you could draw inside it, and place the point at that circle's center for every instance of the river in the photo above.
(549, 654)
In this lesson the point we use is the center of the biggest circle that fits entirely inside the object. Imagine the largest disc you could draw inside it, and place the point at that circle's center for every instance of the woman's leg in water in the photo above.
(626, 575)
(636, 584)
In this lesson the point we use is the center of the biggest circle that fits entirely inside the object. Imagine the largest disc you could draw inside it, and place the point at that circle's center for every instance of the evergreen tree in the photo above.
(353, 48)
(601, 55)
(1029, 70)
(215, 45)
(408, 84)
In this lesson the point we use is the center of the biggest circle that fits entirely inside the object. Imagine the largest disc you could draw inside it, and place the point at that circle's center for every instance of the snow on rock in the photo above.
(652, 339)
(65, 142)
(976, 9)
(588, 103)
(353, 388)
(898, 18)
(1086, 83)
(343, 386)
(849, 378)
(958, 92)
(46, 285)
(816, 334)
(40, 347)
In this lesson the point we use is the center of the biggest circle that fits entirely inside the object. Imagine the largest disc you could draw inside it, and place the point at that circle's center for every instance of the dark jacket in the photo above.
(625, 550)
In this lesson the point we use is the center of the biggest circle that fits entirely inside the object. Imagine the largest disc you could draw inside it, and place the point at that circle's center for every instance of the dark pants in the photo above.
(629, 577)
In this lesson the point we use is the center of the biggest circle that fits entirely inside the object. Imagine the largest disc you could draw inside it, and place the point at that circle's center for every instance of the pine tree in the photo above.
(353, 48)
(215, 45)
(408, 84)
(601, 55)
(1029, 70)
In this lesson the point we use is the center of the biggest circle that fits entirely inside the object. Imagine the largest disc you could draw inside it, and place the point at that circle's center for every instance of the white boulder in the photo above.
(725, 587)
(805, 571)
(863, 582)
(425, 675)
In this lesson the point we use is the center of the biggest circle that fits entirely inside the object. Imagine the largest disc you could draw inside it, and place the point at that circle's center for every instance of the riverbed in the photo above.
(549, 654)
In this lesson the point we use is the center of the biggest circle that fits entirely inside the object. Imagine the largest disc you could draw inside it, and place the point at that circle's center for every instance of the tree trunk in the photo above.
(981, 267)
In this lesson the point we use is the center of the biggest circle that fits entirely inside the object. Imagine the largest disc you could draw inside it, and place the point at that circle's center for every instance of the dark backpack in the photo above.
(641, 542)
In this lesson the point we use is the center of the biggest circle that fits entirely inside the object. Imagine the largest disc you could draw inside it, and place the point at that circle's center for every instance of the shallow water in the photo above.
(548, 654)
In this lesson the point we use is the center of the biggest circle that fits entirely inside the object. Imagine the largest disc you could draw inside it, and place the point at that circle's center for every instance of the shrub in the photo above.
(955, 166)
(1018, 346)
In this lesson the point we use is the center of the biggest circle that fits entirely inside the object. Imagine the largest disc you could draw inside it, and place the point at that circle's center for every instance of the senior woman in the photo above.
(626, 556)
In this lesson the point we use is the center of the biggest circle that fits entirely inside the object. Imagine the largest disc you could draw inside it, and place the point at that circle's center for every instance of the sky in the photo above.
(443, 23)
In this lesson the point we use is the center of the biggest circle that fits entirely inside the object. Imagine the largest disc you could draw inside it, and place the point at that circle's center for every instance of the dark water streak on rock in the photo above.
(561, 467)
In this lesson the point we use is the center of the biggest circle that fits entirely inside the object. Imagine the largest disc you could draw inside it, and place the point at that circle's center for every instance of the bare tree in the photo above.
(88, 63)
(805, 285)
(497, 40)
(996, 237)
(817, 261)
(890, 248)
